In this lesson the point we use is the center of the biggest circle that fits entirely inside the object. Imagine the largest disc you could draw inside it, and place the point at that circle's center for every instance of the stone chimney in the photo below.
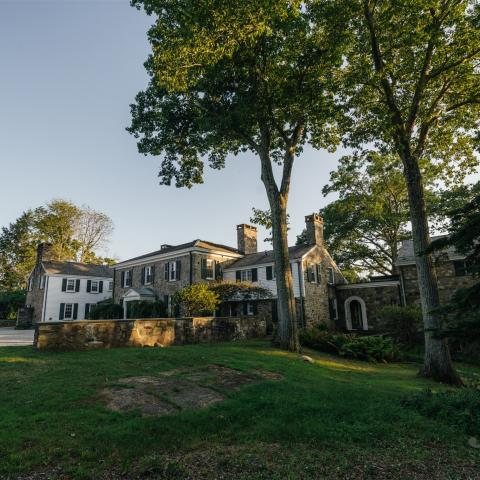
(314, 225)
(246, 239)
(44, 252)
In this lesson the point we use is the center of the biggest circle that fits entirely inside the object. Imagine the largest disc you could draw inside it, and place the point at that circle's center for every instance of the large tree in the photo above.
(76, 233)
(414, 90)
(230, 77)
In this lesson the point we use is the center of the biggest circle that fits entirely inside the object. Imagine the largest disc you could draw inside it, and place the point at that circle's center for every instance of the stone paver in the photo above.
(9, 337)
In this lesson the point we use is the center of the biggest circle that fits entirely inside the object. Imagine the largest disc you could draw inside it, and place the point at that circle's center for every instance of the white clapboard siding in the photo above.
(230, 275)
(55, 296)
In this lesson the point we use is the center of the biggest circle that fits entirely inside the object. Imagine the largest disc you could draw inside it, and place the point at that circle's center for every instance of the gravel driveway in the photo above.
(10, 337)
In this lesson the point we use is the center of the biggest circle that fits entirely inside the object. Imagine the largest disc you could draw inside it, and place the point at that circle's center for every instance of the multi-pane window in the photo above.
(246, 275)
(68, 312)
(70, 285)
(270, 272)
(94, 286)
(127, 281)
(148, 276)
(330, 276)
(110, 286)
(172, 269)
(209, 269)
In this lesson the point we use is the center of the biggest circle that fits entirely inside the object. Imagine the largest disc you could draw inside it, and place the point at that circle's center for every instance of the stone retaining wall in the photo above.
(89, 334)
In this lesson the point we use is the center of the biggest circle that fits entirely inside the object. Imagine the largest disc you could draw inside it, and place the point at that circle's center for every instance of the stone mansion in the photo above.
(322, 294)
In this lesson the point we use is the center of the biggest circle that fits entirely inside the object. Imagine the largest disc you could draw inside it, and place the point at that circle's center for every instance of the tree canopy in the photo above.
(76, 233)
(230, 77)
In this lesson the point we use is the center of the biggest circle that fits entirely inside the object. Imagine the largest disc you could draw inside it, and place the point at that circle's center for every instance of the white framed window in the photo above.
(250, 308)
(147, 279)
(30, 284)
(172, 271)
(330, 276)
(94, 286)
(246, 275)
(209, 269)
(110, 286)
(68, 313)
(70, 286)
(127, 279)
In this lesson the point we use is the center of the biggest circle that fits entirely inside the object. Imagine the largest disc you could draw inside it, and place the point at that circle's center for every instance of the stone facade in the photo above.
(372, 296)
(91, 334)
(319, 293)
(448, 282)
(190, 272)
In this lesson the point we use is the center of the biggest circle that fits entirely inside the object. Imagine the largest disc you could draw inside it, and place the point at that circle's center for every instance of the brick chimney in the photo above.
(314, 225)
(44, 252)
(246, 239)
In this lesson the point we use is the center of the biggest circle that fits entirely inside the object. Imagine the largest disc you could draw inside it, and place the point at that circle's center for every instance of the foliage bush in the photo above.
(105, 311)
(372, 348)
(228, 291)
(460, 408)
(10, 302)
(403, 323)
(143, 309)
(196, 300)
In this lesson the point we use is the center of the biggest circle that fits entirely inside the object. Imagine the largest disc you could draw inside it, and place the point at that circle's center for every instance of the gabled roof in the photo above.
(263, 258)
(174, 248)
(407, 257)
(79, 269)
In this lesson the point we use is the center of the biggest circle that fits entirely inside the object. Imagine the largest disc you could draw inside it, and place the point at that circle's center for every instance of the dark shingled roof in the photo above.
(75, 268)
(261, 258)
(407, 257)
(174, 248)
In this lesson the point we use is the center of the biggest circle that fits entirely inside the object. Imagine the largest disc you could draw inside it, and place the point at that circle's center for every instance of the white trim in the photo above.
(177, 253)
(349, 286)
(348, 318)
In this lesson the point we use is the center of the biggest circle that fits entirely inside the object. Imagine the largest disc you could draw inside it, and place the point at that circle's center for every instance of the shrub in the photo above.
(460, 408)
(143, 309)
(10, 302)
(105, 311)
(403, 323)
(196, 300)
(372, 348)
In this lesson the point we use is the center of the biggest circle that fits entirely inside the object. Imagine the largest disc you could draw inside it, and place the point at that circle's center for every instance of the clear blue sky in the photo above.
(69, 70)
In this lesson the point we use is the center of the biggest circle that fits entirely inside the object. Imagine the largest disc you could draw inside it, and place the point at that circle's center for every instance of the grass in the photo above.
(332, 419)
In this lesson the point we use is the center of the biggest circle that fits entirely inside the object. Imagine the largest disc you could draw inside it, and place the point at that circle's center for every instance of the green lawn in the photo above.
(331, 419)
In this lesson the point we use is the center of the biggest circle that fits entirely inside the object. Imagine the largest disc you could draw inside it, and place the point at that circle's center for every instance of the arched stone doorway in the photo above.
(356, 314)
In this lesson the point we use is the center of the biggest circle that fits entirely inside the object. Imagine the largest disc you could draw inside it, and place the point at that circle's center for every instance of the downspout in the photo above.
(302, 292)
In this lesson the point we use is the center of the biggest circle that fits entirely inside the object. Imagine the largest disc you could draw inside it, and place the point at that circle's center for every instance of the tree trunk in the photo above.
(437, 363)
(287, 332)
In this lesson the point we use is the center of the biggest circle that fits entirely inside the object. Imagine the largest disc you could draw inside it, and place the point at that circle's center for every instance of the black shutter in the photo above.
(64, 285)
(75, 311)
(100, 286)
(77, 285)
(87, 310)
(178, 269)
(203, 268)
(61, 316)
(254, 275)
(153, 273)
(460, 268)
(142, 280)
(89, 286)
(123, 280)
(167, 270)
(255, 308)
(269, 272)
(238, 276)
(245, 308)
(130, 279)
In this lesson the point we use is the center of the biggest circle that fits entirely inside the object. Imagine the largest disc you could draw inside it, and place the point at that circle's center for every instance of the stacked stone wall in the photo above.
(90, 334)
